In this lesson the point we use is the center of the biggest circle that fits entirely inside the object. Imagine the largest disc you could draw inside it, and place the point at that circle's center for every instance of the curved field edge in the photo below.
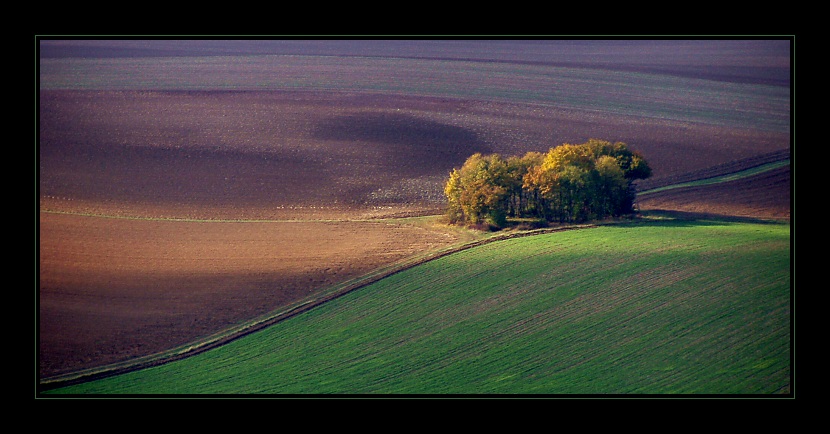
(724, 173)
(730, 171)
(338, 290)
(752, 171)
(574, 88)
(294, 309)
(653, 306)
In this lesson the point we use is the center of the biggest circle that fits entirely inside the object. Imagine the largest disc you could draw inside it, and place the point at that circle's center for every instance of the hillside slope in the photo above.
(660, 306)
(767, 195)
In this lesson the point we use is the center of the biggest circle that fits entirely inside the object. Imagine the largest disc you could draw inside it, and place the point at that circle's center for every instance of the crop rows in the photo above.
(653, 95)
(662, 307)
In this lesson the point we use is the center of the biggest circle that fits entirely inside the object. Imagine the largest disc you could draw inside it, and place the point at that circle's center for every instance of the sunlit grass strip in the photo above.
(722, 178)
(664, 306)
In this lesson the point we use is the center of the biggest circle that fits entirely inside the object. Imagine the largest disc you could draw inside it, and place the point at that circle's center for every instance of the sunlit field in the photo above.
(663, 306)
(188, 189)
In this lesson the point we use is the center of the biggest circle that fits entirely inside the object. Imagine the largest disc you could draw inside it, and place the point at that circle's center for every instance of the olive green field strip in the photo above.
(722, 178)
(653, 306)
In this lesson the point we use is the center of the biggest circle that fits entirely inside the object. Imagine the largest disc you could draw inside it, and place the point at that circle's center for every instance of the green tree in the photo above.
(632, 163)
(452, 190)
(521, 201)
(478, 191)
(568, 183)
(609, 187)
(573, 197)
(559, 182)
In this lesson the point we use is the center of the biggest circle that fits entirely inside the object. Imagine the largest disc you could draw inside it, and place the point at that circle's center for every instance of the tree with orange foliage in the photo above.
(477, 192)
(569, 183)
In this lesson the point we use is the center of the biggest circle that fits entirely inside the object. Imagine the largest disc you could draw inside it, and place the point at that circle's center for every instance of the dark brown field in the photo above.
(763, 196)
(285, 191)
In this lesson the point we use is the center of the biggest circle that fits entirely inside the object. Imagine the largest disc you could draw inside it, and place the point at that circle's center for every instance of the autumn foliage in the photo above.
(569, 183)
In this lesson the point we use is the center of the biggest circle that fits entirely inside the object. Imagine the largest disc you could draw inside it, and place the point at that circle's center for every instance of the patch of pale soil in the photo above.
(114, 289)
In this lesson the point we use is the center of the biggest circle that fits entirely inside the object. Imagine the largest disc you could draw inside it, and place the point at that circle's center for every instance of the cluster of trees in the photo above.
(569, 183)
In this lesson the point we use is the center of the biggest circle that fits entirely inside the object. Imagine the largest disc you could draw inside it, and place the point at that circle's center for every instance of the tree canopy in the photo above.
(569, 183)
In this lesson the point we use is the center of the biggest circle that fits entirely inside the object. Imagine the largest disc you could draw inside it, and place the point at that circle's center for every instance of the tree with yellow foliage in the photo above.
(569, 183)
(477, 192)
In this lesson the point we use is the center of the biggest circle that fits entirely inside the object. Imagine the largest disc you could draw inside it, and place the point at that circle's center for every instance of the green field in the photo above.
(660, 306)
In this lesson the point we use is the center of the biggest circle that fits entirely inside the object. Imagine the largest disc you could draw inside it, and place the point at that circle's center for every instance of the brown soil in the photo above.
(111, 289)
(762, 196)
(266, 154)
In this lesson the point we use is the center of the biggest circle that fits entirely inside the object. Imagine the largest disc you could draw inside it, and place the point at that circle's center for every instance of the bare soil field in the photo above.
(284, 191)
(112, 289)
(767, 195)
(266, 154)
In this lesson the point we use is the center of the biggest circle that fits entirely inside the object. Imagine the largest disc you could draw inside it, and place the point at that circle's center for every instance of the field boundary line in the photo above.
(333, 292)
(725, 177)
(325, 296)
(211, 220)
(206, 220)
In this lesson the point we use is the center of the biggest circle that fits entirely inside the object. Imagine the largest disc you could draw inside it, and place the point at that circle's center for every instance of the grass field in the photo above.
(189, 188)
(660, 306)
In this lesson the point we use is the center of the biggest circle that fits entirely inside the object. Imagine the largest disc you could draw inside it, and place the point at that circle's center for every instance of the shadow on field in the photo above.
(398, 129)
(412, 145)
(685, 218)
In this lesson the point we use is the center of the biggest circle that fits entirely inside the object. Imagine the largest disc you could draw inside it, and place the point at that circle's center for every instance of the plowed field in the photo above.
(266, 154)
(767, 195)
(168, 215)
(111, 289)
